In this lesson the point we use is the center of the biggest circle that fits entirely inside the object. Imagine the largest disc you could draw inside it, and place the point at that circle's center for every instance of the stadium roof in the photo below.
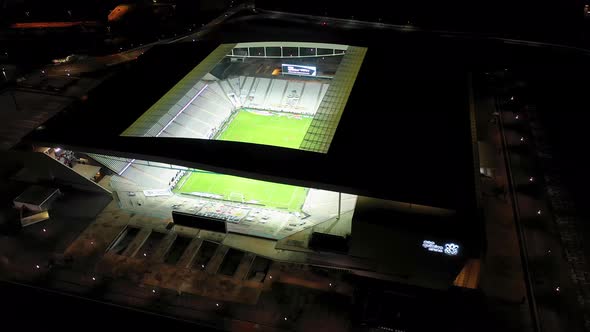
(404, 133)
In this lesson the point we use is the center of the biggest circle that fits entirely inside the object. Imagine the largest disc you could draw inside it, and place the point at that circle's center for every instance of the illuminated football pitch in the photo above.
(269, 128)
(259, 127)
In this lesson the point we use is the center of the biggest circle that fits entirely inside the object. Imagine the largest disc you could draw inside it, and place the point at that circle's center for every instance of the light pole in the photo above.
(17, 108)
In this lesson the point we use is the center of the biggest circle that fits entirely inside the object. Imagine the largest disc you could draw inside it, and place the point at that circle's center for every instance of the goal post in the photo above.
(236, 197)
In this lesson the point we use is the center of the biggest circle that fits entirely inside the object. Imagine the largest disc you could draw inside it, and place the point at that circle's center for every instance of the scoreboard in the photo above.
(299, 70)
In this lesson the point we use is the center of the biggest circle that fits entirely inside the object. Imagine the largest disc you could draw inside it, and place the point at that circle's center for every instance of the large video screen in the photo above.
(299, 70)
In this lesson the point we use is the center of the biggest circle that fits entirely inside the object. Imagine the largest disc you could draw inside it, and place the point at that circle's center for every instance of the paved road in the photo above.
(95, 63)
(553, 289)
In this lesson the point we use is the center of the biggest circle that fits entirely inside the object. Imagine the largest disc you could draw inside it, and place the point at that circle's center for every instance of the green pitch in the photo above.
(269, 128)
(259, 127)
(244, 190)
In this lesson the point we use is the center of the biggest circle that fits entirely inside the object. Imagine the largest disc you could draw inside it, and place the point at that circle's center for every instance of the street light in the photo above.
(516, 116)
(531, 179)
(522, 139)
(557, 289)
(539, 212)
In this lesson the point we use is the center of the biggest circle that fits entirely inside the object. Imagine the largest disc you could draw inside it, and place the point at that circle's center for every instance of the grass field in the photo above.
(243, 190)
(257, 127)
(283, 130)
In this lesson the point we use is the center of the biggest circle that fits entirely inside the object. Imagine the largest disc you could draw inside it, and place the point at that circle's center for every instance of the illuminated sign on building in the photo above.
(299, 70)
(450, 249)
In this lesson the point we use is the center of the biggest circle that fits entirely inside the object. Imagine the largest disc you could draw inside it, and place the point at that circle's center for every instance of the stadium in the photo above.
(257, 99)
(301, 149)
